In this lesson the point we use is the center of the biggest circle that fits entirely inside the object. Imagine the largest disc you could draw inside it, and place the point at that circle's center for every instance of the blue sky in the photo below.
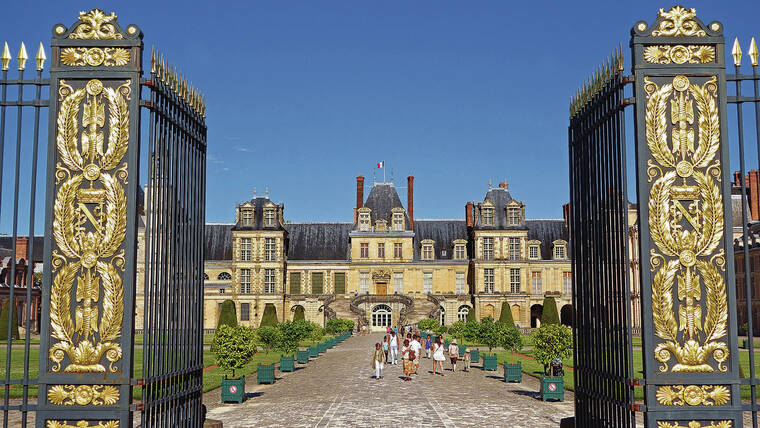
(304, 96)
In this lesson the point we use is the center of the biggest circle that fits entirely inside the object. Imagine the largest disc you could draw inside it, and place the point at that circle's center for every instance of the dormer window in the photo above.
(269, 216)
(398, 220)
(513, 216)
(247, 217)
(488, 216)
(560, 251)
(364, 220)
(533, 252)
(460, 251)
(428, 252)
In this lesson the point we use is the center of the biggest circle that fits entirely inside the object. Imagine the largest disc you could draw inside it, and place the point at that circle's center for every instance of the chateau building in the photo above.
(387, 267)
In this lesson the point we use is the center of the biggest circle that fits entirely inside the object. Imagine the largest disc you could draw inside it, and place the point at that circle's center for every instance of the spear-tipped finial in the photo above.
(752, 52)
(22, 57)
(620, 58)
(5, 58)
(152, 60)
(266, 192)
(736, 52)
(40, 58)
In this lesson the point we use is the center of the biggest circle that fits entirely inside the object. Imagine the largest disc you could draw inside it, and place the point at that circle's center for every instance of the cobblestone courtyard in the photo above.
(337, 390)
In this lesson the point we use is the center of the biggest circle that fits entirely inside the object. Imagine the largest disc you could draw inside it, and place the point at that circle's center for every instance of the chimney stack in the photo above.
(468, 214)
(566, 213)
(504, 185)
(22, 247)
(753, 188)
(410, 199)
(359, 196)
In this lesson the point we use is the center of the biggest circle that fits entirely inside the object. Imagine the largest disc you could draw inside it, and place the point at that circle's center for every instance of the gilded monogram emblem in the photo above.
(686, 225)
(89, 226)
(693, 395)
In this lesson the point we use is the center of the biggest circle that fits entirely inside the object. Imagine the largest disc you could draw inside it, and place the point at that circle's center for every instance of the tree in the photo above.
(471, 314)
(317, 332)
(228, 314)
(269, 319)
(489, 333)
(291, 334)
(428, 324)
(348, 325)
(4, 314)
(233, 347)
(471, 331)
(269, 336)
(510, 338)
(506, 315)
(549, 315)
(552, 341)
(299, 314)
(457, 330)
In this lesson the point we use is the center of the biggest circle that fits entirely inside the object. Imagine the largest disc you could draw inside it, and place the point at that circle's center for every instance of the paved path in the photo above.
(337, 390)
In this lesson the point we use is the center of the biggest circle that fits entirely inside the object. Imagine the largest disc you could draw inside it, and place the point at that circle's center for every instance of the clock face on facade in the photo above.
(552, 387)
(233, 389)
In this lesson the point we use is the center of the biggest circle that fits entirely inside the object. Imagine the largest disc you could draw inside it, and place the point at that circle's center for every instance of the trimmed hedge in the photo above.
(228, 314)
(270, 316)
(4, 314)
(506, 315)
(549, 315)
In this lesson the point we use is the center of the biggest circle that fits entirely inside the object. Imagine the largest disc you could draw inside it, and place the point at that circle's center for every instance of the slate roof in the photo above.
(381, 200)
(736, 210)
(258, 215)
(318, 241)
(6, 247)
(548, 231)
(499, 197)
(443, 232)
(218, 242)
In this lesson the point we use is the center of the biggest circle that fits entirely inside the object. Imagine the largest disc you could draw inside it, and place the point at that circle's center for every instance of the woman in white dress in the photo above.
(438, 357)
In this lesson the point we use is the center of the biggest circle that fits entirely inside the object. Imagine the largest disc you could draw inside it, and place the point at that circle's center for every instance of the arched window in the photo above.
(443, 315)
(462, 312)
(381, 316)
(224, 276)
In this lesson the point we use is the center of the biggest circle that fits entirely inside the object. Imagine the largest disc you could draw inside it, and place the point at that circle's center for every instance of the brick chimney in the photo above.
(22, 247)
(566, 213)
(504, 185)
(753, 188)
(410, 199)
(359, 196)
(737, 177)
(468, 214)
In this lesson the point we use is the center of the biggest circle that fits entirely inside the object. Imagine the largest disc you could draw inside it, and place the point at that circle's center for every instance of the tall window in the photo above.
(269, 217)
(380, 250)
(459, 252)
(514, 280)
(340, 283)
(567, 283)
(427, 252)
(364, 283)
(460, 283)
(397, 250)
(398, 282)
(535, 280)
(462, 313)
(295, 282)
(427, 282)
(269, 247)
(487, 216)
(514, 248)
(245, 312)
(533, 252)
(513, 216)
(269, 281)
(487, 248)
(364, 222)
(398, 221)
(488, 280)
(245, 249)
(317, 282)
(559, 251)
(245, 281)
(364, 250)
(247, 217)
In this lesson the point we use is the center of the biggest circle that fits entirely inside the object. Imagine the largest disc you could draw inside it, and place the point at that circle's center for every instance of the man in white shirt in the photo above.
(416, 346)
(394, 348)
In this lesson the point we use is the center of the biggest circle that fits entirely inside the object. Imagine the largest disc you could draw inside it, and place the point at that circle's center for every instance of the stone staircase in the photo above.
(341, 307)
(423, 307)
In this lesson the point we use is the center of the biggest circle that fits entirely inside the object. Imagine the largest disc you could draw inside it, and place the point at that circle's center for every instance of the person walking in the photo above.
(385, 347)
(438, 357)
(467, 359)
(407, 357)
(416, 346)
(428, 344)
(394, 348)
(378, 363)
(453, 355)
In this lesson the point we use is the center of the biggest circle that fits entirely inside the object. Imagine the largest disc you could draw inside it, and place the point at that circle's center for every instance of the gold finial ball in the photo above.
(642, 26)
(680, 83)
(687, 258)
(715, 26)
(60, 29)
(131, 29)
(94, 87)
(684, 169)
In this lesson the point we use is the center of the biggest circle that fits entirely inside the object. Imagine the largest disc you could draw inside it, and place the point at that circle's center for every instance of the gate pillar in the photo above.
(688, 296)
(92, 180)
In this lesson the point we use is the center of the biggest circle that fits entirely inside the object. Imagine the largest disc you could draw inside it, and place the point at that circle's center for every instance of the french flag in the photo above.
(381, 164)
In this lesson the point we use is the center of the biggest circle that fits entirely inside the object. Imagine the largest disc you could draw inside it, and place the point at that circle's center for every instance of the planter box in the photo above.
(233, 390)
(513, 372)
(489, 362)
(321, 348)
(446, 344)
(462, 349)
(552, 388)
(303, 356)
(474, 355)
(265, 374)
(313, 352)
(287, 364)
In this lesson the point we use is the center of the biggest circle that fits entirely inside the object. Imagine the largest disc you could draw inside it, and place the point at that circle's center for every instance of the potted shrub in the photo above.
(552, 341)
(269, 337)
(488, 335)
(511, 340)
(291, 334)
(233, 347)
(428, 324)
(470, 332)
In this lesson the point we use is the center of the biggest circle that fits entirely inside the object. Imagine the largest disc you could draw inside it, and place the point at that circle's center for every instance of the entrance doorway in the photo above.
(381, 287)
(381, 317)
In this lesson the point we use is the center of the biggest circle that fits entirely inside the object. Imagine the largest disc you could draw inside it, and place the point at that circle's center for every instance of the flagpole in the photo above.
(384, 180)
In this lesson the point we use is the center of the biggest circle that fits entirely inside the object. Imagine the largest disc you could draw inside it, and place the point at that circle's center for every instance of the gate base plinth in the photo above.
(567, 422)
(212, 423)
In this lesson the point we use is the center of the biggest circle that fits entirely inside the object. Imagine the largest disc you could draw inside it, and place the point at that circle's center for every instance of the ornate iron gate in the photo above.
(92, 224)
(691, 361)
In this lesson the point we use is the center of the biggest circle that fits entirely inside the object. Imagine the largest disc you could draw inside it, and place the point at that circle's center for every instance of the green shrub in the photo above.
(299, 314)
(552, 341)
(4, 314)
(549, 315)
(509, 337)
(457, 330)
(233, 347)
(339, 325)
(472, 331)
(348, 325)
(228, 314)
(471, 315)
(489, 333)
(440, 330)
(269, 319)
(269, 336)
(428, 324)
(506, 315)
(291, 333)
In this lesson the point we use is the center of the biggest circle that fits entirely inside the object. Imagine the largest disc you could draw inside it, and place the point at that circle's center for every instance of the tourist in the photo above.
(454, 355)
(467, 359)
(394, 348)
(416, 346)
(385, 347)
(378, 361)
(407, 357)
(438, 357)
(428, 344)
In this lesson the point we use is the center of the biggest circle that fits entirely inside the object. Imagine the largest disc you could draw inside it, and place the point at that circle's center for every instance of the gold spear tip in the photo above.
(753, 52)
(40, 57)
(22, 57)
(736, 52)
(5, 58)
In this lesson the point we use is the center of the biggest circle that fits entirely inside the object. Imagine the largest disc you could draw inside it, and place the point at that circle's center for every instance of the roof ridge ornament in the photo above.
(95, 24)
(678, 21)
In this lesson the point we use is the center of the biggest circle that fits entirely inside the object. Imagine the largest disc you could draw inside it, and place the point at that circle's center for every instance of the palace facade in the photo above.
(387, 267)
